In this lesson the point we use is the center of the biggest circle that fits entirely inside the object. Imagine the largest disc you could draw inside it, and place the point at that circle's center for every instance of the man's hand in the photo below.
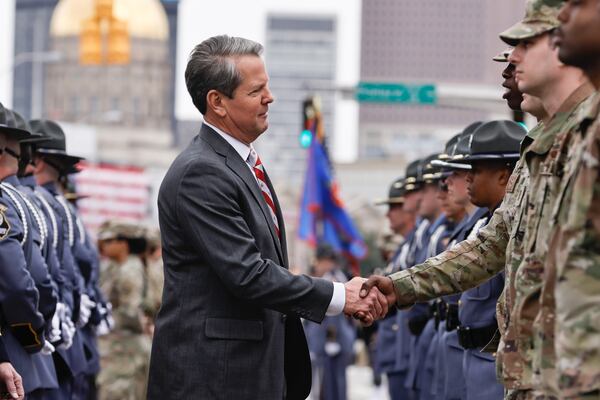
(11, 380)
(370, 307)
(385, 286)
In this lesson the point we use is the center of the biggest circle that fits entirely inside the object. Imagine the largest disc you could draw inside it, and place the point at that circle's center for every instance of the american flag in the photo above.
(112, 191)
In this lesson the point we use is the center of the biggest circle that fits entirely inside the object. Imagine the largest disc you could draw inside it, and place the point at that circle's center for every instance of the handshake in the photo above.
(369, 299)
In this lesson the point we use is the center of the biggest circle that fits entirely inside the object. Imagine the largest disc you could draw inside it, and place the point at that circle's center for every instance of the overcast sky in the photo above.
(7, 18)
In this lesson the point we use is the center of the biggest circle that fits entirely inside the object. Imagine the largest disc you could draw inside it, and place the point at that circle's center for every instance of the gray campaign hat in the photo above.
(413, 179)
(8, 125)
(395, 194)
(431, 172)
(496, 140)
(51, 140)
(460, 150)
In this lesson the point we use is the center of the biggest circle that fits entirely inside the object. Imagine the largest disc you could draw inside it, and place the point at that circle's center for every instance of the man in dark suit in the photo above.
(229, 326)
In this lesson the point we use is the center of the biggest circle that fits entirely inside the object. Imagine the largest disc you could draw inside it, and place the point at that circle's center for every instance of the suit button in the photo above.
(283, 317)
(395, 327)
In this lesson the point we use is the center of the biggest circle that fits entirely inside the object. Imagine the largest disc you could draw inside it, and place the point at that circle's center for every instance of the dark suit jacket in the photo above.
(222, 330)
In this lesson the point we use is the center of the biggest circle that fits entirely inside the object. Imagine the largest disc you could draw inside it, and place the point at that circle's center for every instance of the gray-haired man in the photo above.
(229, 326)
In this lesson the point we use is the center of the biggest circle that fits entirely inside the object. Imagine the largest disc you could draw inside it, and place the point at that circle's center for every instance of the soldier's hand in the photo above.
(385, 286)
(369, 308)
(12, 381)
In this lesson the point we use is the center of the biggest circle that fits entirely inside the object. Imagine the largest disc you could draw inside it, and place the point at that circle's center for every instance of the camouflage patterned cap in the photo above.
(540, 16)
(503, 57)
(117, 229)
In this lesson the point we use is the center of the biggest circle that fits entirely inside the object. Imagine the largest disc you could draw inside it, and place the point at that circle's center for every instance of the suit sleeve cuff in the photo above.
(338, 300)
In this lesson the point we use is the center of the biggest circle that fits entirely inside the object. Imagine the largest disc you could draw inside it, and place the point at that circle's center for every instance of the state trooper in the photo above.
(37, 368)
(432, 207)
(494, 150)
(88, 261)
(420, 318)
(449, 376)
(393, 336)
(51, 162)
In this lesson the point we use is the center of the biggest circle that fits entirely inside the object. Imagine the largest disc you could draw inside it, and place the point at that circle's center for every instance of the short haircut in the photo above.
(211, 66)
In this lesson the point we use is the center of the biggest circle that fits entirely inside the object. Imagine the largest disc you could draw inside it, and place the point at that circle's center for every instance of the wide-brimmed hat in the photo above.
(432, 173)
(496, 141)
(395, 194)
(413, 179)
(8, 125)
(456, 149)
(52, 140)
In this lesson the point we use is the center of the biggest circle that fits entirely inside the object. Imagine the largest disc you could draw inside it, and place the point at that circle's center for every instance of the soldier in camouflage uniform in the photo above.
(569, 298)
(517, 236)
(125, 352)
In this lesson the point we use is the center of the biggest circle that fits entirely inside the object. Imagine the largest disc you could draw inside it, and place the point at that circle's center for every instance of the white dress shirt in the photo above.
(338, 300)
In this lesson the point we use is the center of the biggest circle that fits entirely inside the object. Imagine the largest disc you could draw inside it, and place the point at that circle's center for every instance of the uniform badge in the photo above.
(4, 224)
(510, 187)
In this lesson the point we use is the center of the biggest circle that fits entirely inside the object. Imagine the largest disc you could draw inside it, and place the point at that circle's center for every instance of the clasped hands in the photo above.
(369, 299)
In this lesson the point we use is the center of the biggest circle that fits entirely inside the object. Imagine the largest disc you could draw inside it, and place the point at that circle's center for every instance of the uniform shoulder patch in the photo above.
(4, 224)
(510, 187)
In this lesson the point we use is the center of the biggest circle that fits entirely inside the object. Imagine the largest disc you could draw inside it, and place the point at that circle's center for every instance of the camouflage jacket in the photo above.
(123, 285)
(570, 296)
(514, 238)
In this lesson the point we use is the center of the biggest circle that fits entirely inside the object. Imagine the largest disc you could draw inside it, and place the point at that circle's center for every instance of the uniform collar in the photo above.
(13, 180)
(50, 187)
(543, 142)
(28, 181)
(241, 148)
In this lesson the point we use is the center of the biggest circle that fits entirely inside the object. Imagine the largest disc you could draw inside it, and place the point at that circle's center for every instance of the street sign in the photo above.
(374, 92)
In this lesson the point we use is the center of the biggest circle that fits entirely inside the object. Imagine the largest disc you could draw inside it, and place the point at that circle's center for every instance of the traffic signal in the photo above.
(306, 137)
(310, 122)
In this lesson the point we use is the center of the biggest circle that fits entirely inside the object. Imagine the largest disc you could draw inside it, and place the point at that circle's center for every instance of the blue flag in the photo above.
(323, 218)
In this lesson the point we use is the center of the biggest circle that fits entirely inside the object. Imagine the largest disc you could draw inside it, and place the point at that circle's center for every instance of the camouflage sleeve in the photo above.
(464, 266)
(576, 263)
(129, 289)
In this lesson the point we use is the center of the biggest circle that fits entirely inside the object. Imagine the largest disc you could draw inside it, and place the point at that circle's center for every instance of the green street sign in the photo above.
(372, 92)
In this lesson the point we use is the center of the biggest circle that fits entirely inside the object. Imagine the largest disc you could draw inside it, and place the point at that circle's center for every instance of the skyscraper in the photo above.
(428, 41)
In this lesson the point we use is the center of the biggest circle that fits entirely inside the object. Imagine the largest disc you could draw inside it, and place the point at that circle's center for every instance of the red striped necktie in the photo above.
(259, 172)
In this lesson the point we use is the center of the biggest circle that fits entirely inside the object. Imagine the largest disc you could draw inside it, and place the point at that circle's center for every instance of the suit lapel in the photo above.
(241, 169)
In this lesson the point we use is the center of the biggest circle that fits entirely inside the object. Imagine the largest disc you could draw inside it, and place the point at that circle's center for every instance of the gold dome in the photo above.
(145, 19)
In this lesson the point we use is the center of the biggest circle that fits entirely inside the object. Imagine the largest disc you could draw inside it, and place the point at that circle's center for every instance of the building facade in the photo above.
(428, 41)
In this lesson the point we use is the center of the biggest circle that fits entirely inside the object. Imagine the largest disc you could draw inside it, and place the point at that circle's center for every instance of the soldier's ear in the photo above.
(214, 102)
(504, 176)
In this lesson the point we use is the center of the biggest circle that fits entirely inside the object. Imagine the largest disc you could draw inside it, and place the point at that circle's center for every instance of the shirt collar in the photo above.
(241, 148)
